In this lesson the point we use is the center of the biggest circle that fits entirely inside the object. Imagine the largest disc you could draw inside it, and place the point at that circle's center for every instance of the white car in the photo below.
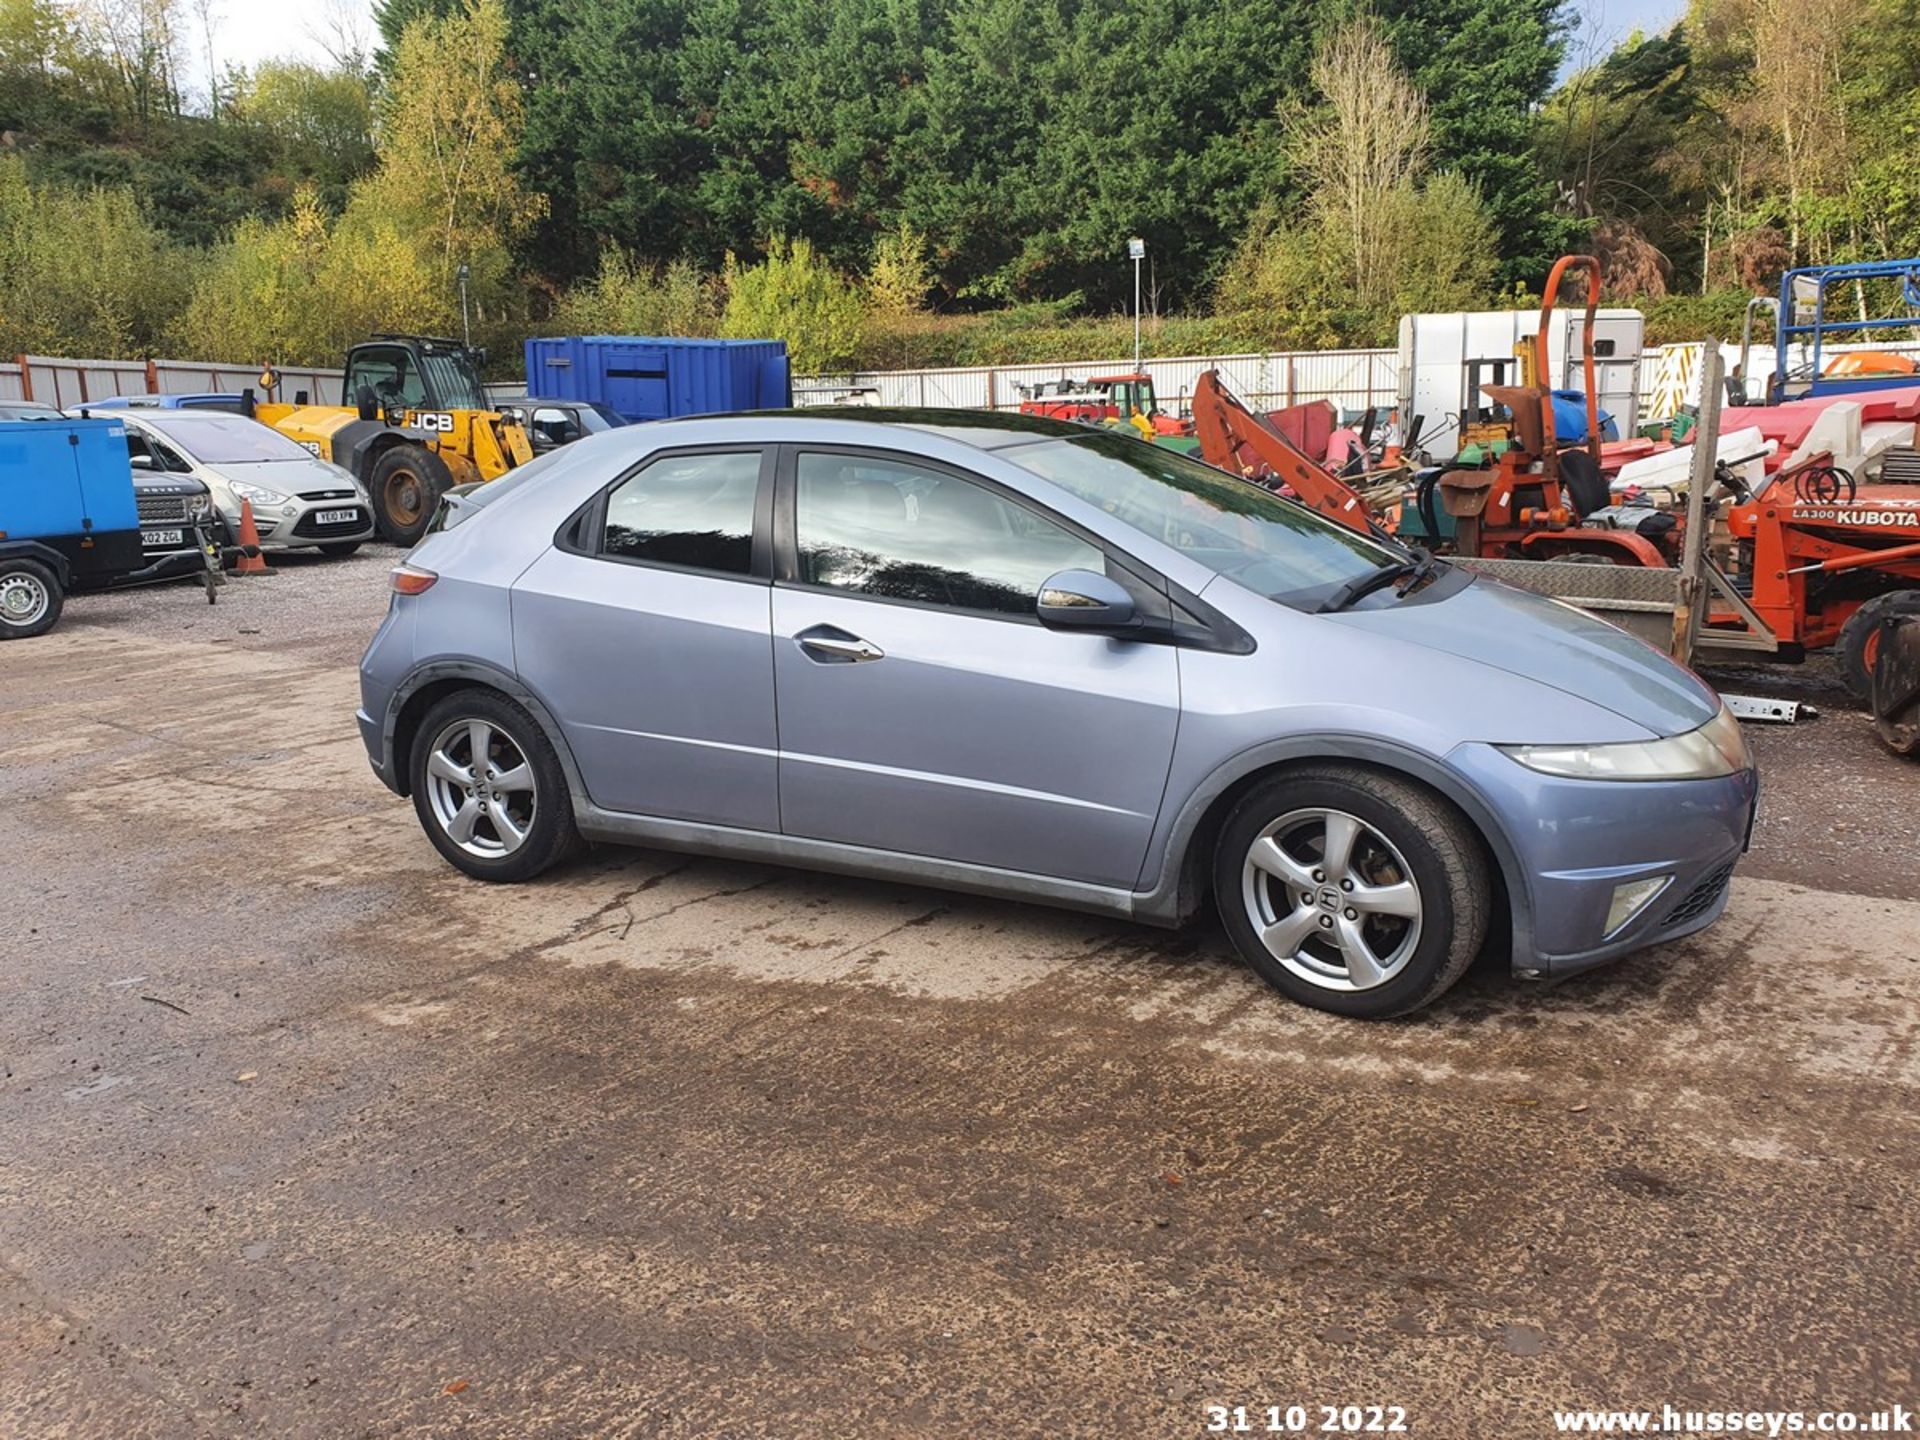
(299, 500)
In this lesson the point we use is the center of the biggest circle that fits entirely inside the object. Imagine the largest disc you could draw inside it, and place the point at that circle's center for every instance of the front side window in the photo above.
(897, 531)
(1233, 527)
(159, 456)
(387, 371)
(692, 510)
(555, 426)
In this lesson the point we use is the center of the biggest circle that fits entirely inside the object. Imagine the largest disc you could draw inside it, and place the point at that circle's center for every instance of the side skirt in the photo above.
(841, 859)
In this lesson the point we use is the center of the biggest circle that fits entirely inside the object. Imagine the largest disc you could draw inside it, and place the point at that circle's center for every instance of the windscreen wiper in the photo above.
(1423, 565)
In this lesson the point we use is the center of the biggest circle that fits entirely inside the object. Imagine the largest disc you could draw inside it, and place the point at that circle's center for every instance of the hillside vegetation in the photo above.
(890, 183)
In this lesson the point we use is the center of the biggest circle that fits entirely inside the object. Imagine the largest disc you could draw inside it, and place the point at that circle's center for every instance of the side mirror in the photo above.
(367, 403)
(141, 462)
(1084, 600)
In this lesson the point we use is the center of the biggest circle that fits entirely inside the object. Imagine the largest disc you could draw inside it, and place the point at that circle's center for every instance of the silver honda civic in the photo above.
(1027, 659)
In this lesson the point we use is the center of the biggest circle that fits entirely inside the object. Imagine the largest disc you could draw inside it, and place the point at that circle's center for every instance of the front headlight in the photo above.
(258, 494)
(199, 507)
(1716, 748)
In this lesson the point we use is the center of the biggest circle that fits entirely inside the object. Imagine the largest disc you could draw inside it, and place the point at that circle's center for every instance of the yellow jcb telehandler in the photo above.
(412, 423)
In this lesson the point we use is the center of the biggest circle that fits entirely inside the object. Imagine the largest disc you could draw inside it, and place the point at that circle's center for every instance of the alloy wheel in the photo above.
(1332, 899)
(481, 788)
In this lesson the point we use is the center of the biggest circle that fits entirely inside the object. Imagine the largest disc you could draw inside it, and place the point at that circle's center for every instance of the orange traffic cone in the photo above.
(249, 561)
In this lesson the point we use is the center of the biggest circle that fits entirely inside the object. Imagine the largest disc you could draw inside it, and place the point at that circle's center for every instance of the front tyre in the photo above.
(1351, 890)
(489, 788)
(405, 485)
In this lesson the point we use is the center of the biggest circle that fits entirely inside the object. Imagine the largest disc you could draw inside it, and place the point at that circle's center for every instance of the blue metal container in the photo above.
(647, 378)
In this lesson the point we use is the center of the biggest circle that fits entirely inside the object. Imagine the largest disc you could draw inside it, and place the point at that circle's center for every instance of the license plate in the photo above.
(336, 517)
(153, 539)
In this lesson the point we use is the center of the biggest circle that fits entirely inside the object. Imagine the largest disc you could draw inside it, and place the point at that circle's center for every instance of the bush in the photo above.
(637, 297)
(300, 290)
(795, 296)
(82, 270)
(1684, 319)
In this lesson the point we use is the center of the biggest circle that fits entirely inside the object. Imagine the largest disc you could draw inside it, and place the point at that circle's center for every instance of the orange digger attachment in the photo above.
(1235, 439)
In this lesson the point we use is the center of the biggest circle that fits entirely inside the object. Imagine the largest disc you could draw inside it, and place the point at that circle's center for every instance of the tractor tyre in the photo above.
(1860, 637)
(406, 484)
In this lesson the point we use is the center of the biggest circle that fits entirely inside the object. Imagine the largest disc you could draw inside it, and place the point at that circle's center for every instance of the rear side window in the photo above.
(692, 510)
(901, 532)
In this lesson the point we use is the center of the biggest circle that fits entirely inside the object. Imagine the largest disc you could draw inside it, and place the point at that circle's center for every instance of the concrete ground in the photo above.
(302, 1134)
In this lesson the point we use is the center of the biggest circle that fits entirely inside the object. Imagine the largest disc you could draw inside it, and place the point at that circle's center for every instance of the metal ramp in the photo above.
(1638, 599)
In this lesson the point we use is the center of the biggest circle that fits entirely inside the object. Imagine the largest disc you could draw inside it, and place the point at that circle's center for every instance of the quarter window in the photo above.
(693, 510)
(902, 532)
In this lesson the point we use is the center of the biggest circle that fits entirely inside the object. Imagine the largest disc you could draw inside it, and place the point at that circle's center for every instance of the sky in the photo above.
(245, 32)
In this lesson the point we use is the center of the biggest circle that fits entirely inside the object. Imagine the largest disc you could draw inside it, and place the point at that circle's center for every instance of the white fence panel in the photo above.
(66, 383)
(1351, 379)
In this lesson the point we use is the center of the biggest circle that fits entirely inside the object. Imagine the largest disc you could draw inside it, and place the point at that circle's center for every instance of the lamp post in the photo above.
(1136, 251)
(466, 326)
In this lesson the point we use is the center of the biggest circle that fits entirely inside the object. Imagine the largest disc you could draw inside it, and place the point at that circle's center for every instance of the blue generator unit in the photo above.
(67, 516)
(641, 377)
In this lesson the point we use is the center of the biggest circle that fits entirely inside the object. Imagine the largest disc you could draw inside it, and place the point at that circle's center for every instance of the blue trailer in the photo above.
(67, 517)
(641, 377)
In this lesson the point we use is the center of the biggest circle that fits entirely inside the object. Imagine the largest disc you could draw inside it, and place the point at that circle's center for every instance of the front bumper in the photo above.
(1576, 840)
(295, 525)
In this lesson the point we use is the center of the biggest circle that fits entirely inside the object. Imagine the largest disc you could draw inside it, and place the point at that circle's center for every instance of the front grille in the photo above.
(1702, 898)
(308, 528)
(327, 495)
(161, 509)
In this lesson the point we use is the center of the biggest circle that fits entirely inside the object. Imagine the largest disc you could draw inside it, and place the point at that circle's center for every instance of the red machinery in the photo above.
(1103, 400)
(1822, 561)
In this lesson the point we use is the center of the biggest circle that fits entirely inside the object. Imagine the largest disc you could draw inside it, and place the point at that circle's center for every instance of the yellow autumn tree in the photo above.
(301, 289)
(449, 126)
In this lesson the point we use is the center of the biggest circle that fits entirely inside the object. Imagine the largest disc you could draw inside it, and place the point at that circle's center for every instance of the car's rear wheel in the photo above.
(30, 599)
(489, 789)
(1351, 890)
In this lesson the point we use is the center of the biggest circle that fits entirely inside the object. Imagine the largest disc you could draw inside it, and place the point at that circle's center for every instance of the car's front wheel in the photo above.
(1352, 890)
(489, 789)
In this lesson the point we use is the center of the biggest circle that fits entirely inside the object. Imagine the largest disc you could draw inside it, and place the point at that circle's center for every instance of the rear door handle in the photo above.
(833, 646)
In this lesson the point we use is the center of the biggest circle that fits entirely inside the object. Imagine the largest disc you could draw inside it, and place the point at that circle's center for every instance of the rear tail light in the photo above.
(412, 580)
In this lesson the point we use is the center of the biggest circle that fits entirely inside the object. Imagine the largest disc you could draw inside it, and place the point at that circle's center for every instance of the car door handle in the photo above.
(836, 647)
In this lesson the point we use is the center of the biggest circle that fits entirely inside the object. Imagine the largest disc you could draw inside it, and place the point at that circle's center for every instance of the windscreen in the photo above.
(1232, 526)
(451, 380)
(228, 441)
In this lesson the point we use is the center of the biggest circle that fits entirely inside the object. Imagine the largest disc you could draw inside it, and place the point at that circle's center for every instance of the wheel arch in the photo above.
(44, 554)
(1182, 884)
(419, 692)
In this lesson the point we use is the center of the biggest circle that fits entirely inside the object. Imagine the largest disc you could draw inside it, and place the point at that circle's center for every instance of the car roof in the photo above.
(154, 414)
(982, 429)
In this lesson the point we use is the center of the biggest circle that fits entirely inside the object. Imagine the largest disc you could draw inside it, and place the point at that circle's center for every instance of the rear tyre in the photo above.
(1352, 891)
(489, 788)
(1860, 638)
(406, 484)
(30, 599)
(341, 550)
